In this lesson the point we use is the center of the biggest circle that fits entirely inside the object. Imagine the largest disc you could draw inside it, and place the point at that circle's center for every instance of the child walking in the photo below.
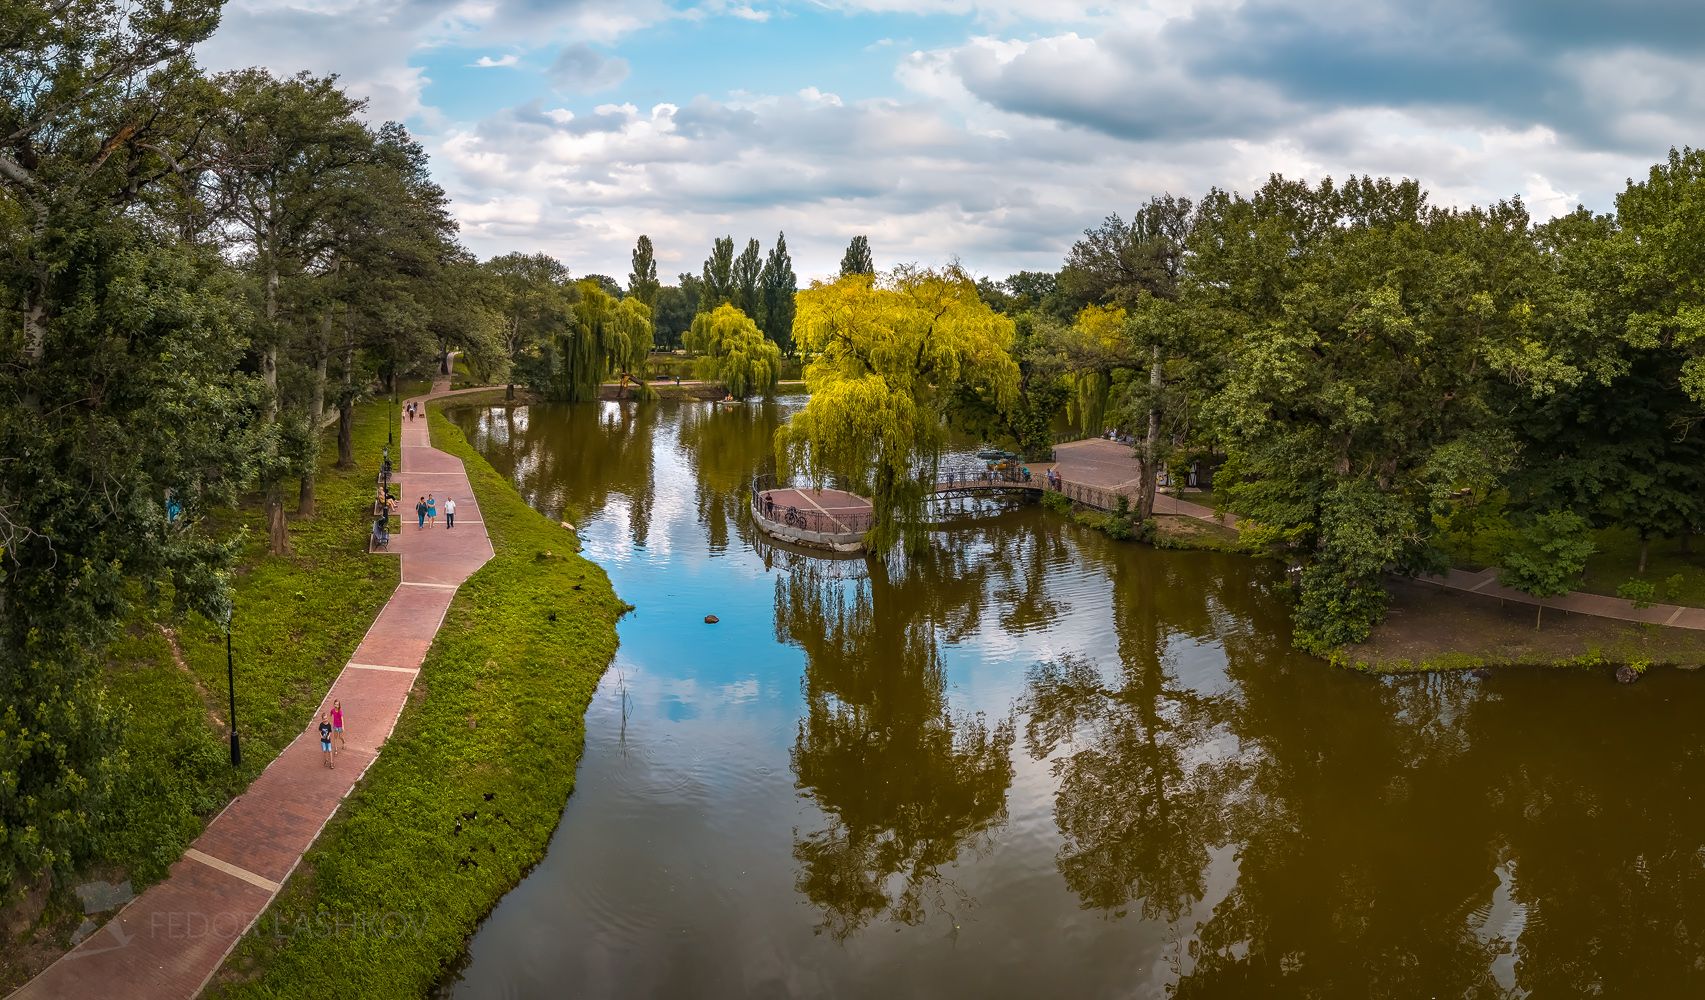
(337, 721)
(326, 740)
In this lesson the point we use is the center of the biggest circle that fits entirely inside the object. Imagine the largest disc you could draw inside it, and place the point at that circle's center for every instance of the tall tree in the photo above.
(747, 267)
(279, 146)
(888, 358)
(857, 259)
(1137, 267)
(533, 302)
(777, 286)
(717, 284)
(1376, 332)
(642, 280)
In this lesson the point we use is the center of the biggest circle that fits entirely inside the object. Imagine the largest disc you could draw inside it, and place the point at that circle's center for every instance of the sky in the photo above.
(992, 132)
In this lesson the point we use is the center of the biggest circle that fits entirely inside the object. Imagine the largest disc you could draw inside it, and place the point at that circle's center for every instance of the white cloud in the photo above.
(487, 62)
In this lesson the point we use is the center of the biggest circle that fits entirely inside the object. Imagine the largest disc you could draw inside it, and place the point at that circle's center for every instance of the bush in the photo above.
(1641, 592)
(1056, 502)
(1673, 585)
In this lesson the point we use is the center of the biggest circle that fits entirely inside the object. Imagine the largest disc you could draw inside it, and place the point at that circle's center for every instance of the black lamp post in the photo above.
(231, 681)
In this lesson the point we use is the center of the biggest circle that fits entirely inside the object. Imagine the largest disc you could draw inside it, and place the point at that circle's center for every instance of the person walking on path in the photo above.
(449, 513)
(337, 721)
(431, 510)
(326, 741)
(420, 512)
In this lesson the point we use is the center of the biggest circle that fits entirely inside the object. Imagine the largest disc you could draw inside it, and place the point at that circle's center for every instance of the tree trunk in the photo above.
(1645, 543)
(1538, 615)
(509, 393)
(305, 496)
(278, 538)
(345, 437)
(1151, 444)
(346, 400)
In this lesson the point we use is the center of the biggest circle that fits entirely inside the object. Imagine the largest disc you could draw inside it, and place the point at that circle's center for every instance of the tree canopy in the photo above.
(733, 352)
(888, 357)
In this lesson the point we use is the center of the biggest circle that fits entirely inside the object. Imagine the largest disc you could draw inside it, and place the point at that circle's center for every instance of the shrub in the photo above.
(1641, 592)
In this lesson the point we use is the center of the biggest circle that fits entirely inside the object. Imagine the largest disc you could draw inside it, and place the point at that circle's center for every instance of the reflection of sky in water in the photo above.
(1349, 821)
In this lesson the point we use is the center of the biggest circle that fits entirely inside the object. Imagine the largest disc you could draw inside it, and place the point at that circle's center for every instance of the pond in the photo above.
(1035, 762)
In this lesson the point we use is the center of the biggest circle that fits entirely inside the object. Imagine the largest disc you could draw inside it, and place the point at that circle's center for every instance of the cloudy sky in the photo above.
(989, 130)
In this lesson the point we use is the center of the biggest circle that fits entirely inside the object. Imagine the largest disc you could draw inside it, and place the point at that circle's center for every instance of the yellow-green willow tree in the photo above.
(604, 335)
(733, 351)
(887, 355)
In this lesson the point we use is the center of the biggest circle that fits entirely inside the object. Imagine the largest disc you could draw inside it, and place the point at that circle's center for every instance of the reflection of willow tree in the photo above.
(906, 783)
(727, 446)
(568, 460)
(1143, 790)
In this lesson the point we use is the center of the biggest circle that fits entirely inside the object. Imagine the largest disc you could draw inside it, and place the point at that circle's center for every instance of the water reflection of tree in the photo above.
(1361, 847)
(1144, 777)
(727, 445)
(570, 459)
(906, 783)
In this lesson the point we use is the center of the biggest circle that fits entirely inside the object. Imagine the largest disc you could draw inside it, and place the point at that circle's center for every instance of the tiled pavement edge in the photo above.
(168, 942)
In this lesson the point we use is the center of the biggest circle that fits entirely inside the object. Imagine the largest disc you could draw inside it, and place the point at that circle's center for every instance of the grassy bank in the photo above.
(463, 800)
(298, 618)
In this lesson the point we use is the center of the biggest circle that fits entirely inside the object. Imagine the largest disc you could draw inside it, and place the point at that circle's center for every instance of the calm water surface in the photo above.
(1034, 762)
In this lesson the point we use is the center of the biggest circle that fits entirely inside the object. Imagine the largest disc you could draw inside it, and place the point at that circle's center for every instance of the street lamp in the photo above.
(231, 682)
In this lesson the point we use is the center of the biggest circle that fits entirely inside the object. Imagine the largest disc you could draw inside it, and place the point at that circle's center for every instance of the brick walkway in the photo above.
(168, 942)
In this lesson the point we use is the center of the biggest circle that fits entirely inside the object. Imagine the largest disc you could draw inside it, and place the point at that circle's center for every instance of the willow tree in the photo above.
(888, 355)
(604, 335)
(733, 351)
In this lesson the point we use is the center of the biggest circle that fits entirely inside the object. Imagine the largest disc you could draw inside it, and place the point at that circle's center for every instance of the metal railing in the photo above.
(804, 517)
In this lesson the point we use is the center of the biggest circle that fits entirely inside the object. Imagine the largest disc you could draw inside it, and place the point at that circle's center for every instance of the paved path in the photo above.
(168, 942)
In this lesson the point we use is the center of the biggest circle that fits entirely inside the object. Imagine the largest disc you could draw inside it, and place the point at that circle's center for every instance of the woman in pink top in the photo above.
(337, 721)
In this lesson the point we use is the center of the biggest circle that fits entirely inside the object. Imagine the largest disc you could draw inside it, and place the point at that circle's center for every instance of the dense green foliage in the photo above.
(195, 271)
(1387, 386)
(734, 353)
(472, 782)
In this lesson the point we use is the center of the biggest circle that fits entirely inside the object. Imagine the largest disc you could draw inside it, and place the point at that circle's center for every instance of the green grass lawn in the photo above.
(1618, 558)
(491, 737)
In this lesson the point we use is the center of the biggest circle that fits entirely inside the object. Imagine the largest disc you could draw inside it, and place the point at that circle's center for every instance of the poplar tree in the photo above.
(717, 282)
(777, 285)
(747, 267)
(642, 280)
(857, 259)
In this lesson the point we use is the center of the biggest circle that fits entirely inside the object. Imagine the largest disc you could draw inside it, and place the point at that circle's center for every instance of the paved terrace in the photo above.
(168, 942)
